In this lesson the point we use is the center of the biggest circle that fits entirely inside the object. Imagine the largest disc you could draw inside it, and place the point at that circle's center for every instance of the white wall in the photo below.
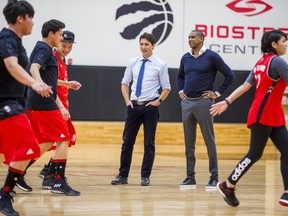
(98, 33)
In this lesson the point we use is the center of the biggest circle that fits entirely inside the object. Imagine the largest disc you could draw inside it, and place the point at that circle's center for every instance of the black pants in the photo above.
(259, 137)
(148, 116)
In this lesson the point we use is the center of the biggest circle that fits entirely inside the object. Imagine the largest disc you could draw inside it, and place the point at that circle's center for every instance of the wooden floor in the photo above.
(91, 167)
(231, 139)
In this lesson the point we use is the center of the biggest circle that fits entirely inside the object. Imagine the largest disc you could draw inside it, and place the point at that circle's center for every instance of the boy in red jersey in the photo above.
(63, 87)
(266, 117)
(22, 146)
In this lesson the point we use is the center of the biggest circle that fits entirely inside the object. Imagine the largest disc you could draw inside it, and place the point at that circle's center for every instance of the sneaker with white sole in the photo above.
(44, 172)
(188, 183)
(212, 184)
(284, 199)
(61, 187)
(21, 184)
(48, 182)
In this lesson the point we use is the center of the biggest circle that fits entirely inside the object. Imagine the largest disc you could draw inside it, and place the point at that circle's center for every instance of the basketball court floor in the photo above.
(91, 167)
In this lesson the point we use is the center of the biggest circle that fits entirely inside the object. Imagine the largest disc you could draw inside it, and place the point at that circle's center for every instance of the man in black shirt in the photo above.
(20, 148)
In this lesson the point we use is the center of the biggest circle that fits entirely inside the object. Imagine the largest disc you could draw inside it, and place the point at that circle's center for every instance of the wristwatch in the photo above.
(217, 93)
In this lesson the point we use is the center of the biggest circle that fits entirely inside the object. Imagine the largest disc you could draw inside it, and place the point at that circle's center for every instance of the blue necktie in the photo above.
(140, 78)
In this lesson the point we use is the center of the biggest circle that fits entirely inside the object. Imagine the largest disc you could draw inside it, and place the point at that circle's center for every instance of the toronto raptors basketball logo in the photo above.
(155, 14)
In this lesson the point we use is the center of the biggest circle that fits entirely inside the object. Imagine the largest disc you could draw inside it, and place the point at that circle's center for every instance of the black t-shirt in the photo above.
(10, 88)
(42, 55)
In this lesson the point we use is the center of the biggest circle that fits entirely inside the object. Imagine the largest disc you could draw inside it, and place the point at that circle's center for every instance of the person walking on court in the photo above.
(266, 117)
(22, 146)
(196, 75)
(46, 118)
(148, 74)
(63, 87)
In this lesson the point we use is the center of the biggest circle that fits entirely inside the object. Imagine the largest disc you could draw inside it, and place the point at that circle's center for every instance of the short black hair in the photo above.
(52, 25)
(15, 8)
(148, 37)
(199, 33)
(269, 37)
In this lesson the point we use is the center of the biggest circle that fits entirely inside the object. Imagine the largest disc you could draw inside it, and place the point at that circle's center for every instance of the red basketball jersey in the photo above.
(62, 91)
(271, 113)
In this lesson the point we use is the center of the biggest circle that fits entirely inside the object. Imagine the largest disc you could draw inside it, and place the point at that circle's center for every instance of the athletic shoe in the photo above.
(21, 184)
(212, 184)
(6, 200)
(44, 172)
(228, 194)
(119, 180)
(48, 182)
(284, 199)
(61, 187)
(188, 183)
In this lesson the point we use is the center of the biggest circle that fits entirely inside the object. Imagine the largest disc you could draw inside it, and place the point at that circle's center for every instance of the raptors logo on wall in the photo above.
(156, 14)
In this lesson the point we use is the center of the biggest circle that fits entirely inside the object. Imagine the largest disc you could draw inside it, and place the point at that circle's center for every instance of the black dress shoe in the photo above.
(145, 181)
(119, 180)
